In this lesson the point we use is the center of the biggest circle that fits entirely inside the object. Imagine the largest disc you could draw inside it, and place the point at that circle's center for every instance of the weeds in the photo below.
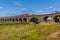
(27, 31)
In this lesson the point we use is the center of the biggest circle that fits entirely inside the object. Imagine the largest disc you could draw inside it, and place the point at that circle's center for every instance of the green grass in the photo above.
(26, 31)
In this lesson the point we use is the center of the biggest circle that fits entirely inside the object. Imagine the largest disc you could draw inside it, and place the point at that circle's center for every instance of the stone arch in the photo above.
(13, 19)
(16, 19)
(57, 18)
(47, 18)
(34, 20)
(6, 19)
(20, 19)
(10, 19)
(24, 19)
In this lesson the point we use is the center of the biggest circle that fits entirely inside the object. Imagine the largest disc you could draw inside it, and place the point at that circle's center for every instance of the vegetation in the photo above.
(26, 31)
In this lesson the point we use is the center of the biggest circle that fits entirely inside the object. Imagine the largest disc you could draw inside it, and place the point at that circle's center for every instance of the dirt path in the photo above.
(53, 36)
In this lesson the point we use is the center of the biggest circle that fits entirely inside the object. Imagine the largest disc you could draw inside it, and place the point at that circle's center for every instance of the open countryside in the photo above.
(29, 19)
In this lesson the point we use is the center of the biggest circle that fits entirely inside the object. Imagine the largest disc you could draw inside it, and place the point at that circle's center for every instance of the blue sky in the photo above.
(18, 7)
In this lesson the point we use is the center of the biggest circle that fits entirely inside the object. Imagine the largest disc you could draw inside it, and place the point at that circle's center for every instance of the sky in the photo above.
(19, 7)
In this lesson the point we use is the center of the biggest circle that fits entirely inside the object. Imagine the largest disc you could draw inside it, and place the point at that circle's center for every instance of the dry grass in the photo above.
(27, 31)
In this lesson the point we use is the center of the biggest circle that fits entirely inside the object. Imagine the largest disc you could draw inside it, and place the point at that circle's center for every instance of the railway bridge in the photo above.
(55, 17)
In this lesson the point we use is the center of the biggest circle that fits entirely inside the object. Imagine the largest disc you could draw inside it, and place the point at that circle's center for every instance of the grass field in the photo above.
(27, 31)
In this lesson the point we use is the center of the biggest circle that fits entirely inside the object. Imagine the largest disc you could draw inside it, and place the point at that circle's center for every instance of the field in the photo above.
(27, 31)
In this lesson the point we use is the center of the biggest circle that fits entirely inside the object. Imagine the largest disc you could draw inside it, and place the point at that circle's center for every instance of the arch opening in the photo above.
(47, 18)
(34, 20)
(24, 19)
(16, 19)
(7, 19)
(10, 19)
(57, 18)
(13, 19)
(20, 19)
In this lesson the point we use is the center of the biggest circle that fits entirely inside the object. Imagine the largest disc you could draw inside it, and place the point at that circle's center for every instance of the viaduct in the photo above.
(55, 17)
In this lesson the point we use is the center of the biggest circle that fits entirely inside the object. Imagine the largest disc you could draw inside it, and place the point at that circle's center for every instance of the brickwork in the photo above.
(54, 17)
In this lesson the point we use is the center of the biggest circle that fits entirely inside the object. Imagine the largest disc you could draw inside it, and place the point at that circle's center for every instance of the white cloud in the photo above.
(1, 7)
(47, 8)
(23, 8)
(51, 7)
(39, 11)
(54, 9)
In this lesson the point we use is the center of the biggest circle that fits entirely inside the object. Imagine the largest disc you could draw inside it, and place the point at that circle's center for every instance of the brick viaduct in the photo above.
(55, 17)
